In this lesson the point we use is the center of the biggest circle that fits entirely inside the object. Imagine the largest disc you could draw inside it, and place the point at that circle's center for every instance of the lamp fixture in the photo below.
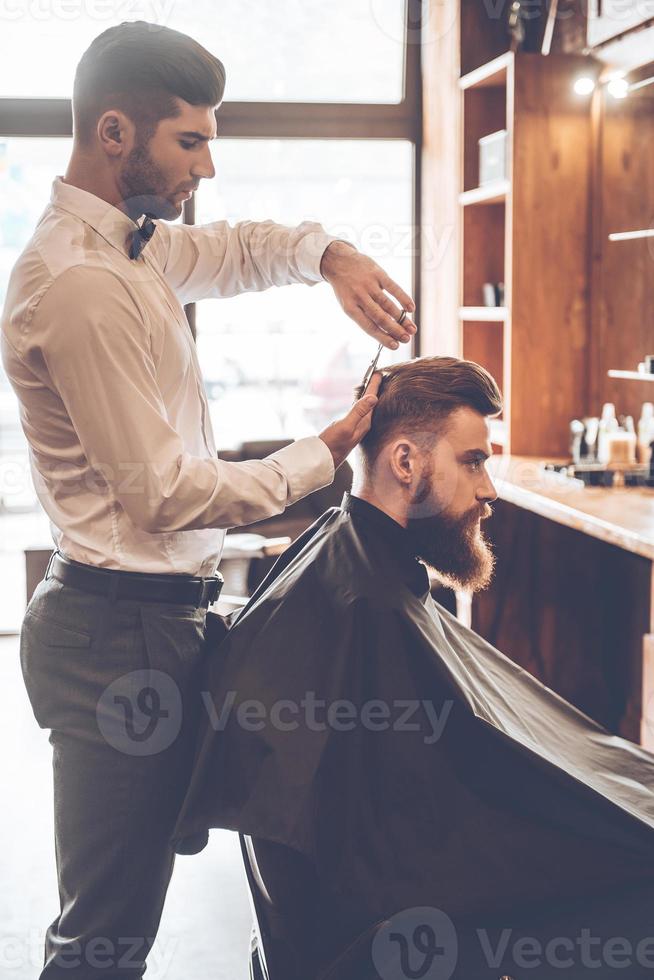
(618, 87)
(584, 85)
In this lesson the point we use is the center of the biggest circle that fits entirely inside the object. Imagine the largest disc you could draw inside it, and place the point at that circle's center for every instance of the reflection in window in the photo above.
(284, 363)
(286, 50)
(27, 169)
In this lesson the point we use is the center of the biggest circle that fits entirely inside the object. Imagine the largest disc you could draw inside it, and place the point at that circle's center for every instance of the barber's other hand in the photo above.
(342, 436)
(362, 288)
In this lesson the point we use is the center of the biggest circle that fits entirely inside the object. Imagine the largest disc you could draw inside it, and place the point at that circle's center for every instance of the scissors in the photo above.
(367, 378)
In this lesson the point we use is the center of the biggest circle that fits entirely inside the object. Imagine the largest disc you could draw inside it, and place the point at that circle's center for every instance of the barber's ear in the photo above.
(114, 131)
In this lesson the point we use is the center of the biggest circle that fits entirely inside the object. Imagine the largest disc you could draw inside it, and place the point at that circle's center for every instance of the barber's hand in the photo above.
(341, 437)
(362, 289)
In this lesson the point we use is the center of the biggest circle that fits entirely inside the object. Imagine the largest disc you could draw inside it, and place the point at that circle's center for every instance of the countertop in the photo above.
(622, 516)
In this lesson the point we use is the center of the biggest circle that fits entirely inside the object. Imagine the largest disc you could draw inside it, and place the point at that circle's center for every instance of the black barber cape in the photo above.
(351, 718)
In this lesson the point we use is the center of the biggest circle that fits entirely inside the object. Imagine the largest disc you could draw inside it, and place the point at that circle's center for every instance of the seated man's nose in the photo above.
(487, 493)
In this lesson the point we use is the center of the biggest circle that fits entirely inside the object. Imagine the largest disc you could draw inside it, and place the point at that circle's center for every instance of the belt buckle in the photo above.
(213, 589)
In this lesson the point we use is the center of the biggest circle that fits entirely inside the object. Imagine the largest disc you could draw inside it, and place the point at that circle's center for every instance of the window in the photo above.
(286, 50)
(284, 363)
(27, 169)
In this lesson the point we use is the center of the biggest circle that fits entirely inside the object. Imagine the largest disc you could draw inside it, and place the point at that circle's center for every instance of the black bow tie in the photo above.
(139, 238)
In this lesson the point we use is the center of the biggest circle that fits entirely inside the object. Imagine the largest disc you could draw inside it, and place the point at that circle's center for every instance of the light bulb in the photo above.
(584, 85)
(618, 87)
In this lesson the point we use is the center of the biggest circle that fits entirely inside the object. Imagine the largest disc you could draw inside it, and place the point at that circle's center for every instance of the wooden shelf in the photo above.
(490, 75)
(632, 375)
(503, 230)
(494, 193)
(483, 314)
(631, 236)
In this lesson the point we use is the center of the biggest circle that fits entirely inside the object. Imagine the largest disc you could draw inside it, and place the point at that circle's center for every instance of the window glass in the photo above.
(27, 169)
(286, 50)
(284, 363)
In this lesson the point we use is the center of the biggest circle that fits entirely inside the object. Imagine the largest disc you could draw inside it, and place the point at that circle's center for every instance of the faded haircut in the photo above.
(419, 396)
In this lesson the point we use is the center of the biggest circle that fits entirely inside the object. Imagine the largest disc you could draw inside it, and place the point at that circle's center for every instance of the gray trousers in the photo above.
(117, 682)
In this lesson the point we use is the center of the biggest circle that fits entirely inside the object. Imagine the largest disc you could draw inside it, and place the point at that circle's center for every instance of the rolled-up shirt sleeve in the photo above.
(218, 259)
(96, 347)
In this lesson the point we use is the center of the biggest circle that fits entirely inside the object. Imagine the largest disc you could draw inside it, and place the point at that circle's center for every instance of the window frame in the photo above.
(32, 117)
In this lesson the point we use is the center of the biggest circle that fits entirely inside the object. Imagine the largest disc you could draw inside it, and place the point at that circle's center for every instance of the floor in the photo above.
(206, 924)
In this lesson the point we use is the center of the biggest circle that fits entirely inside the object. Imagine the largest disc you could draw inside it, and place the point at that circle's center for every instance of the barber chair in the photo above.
(299, 933)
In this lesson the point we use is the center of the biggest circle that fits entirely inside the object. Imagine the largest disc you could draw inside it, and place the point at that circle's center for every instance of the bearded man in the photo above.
(412, 803)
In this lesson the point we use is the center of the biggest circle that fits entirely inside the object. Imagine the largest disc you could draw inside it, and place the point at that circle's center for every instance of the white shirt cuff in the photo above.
(309, 254)
(309, 466)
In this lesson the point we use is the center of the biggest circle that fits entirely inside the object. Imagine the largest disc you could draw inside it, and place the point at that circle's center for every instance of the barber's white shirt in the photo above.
(100, 354)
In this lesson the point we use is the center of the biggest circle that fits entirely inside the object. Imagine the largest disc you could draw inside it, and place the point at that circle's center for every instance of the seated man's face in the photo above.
(451, 499)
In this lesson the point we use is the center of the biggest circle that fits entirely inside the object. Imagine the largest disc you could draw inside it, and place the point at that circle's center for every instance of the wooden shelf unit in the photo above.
(534, 233)
(494, 193)
(631, 375)
(483, 34)
(483, 314)
(529, 231)
(490, 75)
(623, 246)
(631, 236)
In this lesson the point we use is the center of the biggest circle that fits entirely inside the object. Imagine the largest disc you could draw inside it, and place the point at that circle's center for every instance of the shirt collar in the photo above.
(394, 537)
(110, 222)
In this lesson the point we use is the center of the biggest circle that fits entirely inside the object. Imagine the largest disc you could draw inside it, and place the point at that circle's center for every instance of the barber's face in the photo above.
(159, 176)
(450, 498)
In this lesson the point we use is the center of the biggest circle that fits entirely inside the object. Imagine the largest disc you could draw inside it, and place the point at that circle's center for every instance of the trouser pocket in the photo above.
(52, 655)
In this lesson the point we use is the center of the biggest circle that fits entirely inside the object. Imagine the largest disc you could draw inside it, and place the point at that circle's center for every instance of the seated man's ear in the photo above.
(406, 462)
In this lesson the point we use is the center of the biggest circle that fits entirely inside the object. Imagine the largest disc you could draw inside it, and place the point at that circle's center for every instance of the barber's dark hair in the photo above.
(419, 396)
(140, 68)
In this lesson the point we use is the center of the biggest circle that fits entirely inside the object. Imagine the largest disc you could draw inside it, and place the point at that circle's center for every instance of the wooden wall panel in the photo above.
(483, 244)
(624, 277)
(484, 33)
(485, 113)
(483, 343)
(441, 174)
(572, 611)
(550, 261)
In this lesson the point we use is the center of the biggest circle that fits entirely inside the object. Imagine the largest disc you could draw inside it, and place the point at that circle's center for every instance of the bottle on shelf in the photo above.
(621, 447)
(608, 424)
(589, 441)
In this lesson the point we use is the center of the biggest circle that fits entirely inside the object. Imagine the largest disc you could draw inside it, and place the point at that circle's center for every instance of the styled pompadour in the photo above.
(419, 396)
(141, 68)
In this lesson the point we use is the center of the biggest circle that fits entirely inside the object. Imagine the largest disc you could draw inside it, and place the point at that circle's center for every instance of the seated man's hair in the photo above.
(419, 396)
(140, 68)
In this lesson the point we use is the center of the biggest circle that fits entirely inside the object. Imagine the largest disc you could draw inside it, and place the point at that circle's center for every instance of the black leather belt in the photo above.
(140, 586)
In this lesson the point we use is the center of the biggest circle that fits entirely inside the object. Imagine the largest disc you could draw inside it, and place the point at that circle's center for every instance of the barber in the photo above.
(98, 349)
